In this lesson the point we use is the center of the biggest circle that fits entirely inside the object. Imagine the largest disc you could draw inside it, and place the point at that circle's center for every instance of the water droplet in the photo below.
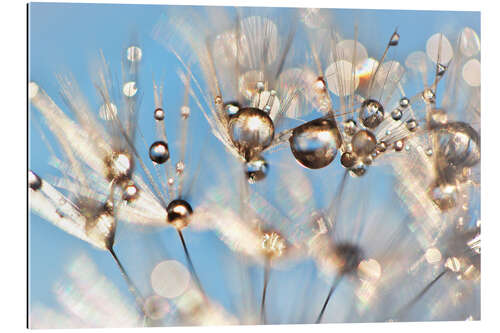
(368, 160)
(179, 167)
(232, 108)
(251, 130)
(158, 152)
(159, 114)
(363, 143)
(428, 152)
(404, 102)
(347, 257)
(217, 100)
(394, 39)
(381, 146)
(260, 86)
(436, 118)
(170, 181)
(185, 111)
(256, 169)
(130, 192)
(134, 54)
(350, 127)
(119, 167)
(348, 160)
(34, 182)
(371, 113)
(443, 195)
(397, 114)
(471, 72)
(314, 144)
(178, 213)
(358, 170)
(399, 145)
(411, 125)
(441, 69)
(429, 96)
(129, 89)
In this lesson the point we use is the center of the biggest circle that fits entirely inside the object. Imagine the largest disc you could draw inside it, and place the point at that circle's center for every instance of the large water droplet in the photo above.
(348, 160)
(158, 152)
(256, 169)
(371, 113)
(315, 144)
(251, 130)
(363, 143)
(178, 212)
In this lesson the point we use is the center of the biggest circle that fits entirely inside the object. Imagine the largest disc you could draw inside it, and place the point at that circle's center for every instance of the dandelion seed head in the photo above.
(315, 144)
(170, 279)
(471, 73)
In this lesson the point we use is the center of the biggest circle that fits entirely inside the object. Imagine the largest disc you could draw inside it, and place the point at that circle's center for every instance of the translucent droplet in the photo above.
(34, 182)
(108, 111)
(457, 146)
(399, 145)
(363, 143)
(119, 167)
(134, 54)
(404, 102)
(358, 170)
(185, 111)
(348, 160)
(350, 127)
(394, 39)
(170, 181)
(436, 118)
(179, 167)
(129, 89)
(158, 152)
(170, 279)
(411, 125)
(429, 96)
(178, 213)
(159, 114)
(130, 192)
(444, 196)
(471, 72)
(314, 144)
(439, 49)
(232, 108)
(256, 169)
(441, 69)
(397, 114)
(371, 113)
(251, 130)
(341, 79)
(217, 100)
(470, 44)
(347, 257)
(381, 146)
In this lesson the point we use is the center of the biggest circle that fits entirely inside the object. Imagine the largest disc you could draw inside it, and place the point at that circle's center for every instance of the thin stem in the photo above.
(190, 263)
(415, 299)
(335, 284)
(267, 271)
(131, 286)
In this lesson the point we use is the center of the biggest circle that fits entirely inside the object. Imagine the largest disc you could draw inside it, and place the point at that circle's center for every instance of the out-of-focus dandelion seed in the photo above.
(433, 255)
(439, 49)
(315, 144)
(470, 44)
(134, 54)
(170, 279)
(156, 307)
(338, 79)
(471, 73)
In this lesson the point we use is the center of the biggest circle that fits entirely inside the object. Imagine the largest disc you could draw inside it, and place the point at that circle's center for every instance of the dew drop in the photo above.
(363, 143)
(232, 108)
(129, 89)
(404, 102)
(134, 54)
(119, 166)
(34, 182)
(256, 169)
(411, 125)
(443, 195)
(371, 113)
(348, 160)
(251, 130)
(350, 127)
(397, 114)
(429, 96)
(399, 145)
(441, 69)
(457, 145)
(381, 146)
(314, 144)
(159, 114)
(130, 192)
(394, 39)
(158, 152)
(178, 213)
(358, 170)
(185, 112)
(179, 167)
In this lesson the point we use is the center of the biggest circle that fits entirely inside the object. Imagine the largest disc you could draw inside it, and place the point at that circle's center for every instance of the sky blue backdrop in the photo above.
(66, 37)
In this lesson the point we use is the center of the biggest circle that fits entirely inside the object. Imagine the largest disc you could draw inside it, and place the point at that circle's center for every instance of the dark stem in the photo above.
(267, 271)
(335, 284)
(190, 263)
(131, 286)
(415, 299)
